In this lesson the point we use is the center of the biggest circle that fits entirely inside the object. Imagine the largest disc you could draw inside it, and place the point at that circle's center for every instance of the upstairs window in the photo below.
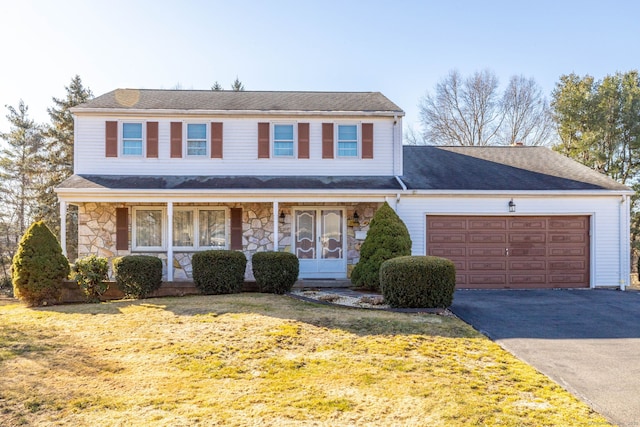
(347, 140)
(196, 139)
(283, 140)
(132, 139)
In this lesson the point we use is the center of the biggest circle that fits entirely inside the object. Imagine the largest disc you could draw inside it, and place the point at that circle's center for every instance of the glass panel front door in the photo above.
(319, 242)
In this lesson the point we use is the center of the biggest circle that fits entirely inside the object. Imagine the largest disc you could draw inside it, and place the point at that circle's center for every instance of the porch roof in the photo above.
(256, 183)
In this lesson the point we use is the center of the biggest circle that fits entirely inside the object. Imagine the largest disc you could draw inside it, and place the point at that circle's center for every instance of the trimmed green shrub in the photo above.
(387, 238)
(138, 275)
(90, 273)
(418, 282)
(39, 267)
(219, 271)
(275, 272)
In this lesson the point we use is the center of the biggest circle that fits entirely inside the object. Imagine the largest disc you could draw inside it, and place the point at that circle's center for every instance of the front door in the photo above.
(319, 242)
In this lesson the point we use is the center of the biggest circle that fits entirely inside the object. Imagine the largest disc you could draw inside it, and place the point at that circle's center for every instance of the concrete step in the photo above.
(322, 283)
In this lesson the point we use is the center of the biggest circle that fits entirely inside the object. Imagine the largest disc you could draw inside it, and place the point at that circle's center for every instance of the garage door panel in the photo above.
(448, 238)
(487, 238)
(455, 252)
(513, 252)
(567, 238)
(567, 252)
(527, 224)
(487, 265)
(527, 265)
(539, 251)
(487, 223)
(527, 238)
(487, 279)
(568, 223)
(486, 252)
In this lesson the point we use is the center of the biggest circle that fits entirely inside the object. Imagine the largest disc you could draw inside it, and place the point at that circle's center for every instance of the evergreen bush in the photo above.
(275, 272)
(387, 238)
(39, 268)
(138, 275)
(90, 273)
(219, 271)
(418, 282)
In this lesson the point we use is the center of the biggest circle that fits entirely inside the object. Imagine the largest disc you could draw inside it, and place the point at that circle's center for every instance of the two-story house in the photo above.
(173, 172)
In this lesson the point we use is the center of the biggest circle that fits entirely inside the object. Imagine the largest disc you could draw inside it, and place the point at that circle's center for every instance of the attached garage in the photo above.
(516, 217)
(513, 251)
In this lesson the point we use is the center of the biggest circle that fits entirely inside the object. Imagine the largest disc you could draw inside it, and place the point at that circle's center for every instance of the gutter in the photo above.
(119, 112)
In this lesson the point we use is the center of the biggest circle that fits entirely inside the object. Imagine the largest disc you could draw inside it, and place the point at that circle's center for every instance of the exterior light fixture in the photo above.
(512, 206)
(282, 216)
(354, 221)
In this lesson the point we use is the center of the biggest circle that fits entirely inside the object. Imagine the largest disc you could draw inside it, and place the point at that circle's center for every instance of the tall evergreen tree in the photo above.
(59, 159)
(20, 168)
(237, 85)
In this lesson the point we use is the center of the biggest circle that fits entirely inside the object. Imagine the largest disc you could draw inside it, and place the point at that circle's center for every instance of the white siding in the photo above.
(609, 258)
(240, 157)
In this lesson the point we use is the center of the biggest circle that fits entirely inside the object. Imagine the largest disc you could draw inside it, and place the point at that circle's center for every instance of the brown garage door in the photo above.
(513, 252)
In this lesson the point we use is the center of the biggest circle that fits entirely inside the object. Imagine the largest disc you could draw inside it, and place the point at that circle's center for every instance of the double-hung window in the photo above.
(196, 139)
(132, 139)
(347, 140)
(283, 140)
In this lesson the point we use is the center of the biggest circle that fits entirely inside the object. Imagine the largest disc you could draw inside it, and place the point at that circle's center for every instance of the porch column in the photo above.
(63, 226)
(169, 241)
(276, 224)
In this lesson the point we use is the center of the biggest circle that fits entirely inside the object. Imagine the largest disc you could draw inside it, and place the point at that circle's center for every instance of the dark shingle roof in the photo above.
(127, 182)
(498, 168)
(209, 100)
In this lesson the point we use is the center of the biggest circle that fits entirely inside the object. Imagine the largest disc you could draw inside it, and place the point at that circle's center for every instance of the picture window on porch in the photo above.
(199, 228)
(148, 228)
(132, 139)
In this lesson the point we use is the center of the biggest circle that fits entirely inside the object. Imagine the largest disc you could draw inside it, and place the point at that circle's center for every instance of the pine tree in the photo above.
(21, 168)
(216, 86)
(237, 85)
(387, 238)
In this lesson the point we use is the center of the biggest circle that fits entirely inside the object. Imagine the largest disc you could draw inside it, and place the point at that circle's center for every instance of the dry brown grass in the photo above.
(253, 359)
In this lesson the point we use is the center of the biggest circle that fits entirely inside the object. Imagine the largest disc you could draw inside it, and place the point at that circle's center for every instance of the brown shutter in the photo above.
(303, 140)
(236, 229)
(216, 140)
(176, 139)
(122, 228)
(152, 139)
(263, 140)
(327, 140)
(367, 140)
(111, 139)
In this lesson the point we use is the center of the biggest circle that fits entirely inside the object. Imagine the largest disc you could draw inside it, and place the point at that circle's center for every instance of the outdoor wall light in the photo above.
(512, 206)
(282, 216)
(354, 220)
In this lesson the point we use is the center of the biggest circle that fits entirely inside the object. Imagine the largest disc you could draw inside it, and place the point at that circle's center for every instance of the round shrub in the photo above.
(387, 238)
(219, 271)
(90, 273)
(39, 267)
(138, 275)
(418, 282)
(275, 272)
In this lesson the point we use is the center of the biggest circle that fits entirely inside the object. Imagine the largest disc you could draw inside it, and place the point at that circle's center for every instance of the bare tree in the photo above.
(472, 111)
(463, 111)
(412, 136)
(527, 116)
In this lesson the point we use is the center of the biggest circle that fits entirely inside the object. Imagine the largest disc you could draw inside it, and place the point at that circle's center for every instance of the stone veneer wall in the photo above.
(97, 233)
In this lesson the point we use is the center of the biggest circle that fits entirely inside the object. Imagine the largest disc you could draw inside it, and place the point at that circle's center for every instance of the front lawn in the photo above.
(254, 359)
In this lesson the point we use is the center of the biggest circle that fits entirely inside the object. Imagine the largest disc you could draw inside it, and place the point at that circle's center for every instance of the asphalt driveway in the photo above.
(588, 341)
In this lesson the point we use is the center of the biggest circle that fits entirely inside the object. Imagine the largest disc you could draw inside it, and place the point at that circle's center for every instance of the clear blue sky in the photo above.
(400, 48)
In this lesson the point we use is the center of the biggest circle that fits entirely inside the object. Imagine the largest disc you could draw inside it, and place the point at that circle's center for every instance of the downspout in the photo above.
(622, 225)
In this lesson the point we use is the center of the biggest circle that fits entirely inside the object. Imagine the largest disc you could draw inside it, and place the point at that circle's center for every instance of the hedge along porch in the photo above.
(325, 235)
